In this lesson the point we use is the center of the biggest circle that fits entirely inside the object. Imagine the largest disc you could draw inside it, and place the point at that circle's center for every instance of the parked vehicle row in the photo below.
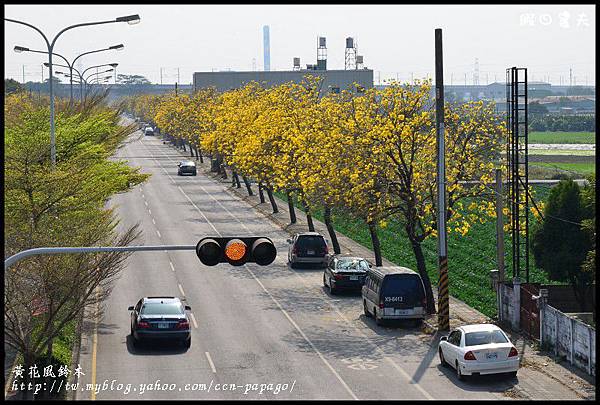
(398, 293)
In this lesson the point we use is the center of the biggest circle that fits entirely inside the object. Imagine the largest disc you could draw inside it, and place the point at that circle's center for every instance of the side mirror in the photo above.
(444, 338)
(130, 308)
(179, 164)
(289, 240)
(370, 263)
(188, 308)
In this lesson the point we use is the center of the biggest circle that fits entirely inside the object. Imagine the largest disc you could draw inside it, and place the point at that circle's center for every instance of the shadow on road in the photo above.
(154, 348)
(486, 383)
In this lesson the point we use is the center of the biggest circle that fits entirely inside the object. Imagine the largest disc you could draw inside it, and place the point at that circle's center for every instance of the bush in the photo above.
(563, 123)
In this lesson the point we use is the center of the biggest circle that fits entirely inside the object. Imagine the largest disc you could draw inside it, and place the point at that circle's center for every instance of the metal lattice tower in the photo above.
(517, 168)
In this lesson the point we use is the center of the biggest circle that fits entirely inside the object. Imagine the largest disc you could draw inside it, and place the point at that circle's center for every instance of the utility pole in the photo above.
(23, 74)
(499, 226)
(443, 298)
(177, 75)
(161, 76)
(451, 78)
(175, 89)
(570, 77)
(465, 79)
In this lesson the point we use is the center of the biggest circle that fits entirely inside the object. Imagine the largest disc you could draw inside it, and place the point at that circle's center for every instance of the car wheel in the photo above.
(442, 359)
(324, 285)
(187, 343)
(378, 321)
(513, 374)
(332, 289)
(367, 313)
(293, 265)
(417, 322)
(459, 374)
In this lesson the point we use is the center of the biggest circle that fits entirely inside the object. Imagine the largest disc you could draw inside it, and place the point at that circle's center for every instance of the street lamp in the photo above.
(130, 19)
(71, 65)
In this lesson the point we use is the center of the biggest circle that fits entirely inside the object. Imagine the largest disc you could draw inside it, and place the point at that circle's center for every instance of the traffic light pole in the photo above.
(68, 250)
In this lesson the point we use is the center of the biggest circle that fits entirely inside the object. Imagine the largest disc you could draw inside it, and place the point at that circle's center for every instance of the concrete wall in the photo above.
(569, 337)
(341, 79)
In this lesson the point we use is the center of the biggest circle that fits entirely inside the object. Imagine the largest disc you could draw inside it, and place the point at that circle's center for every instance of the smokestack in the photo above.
(266, 48)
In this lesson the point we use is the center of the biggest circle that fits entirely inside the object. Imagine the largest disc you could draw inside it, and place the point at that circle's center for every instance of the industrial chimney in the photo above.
(266, 48)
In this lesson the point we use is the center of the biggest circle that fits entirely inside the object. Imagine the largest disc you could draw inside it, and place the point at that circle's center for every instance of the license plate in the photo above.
(491, 356)
(310, 252)
(353, 277)
(402, 312)
(163, 326)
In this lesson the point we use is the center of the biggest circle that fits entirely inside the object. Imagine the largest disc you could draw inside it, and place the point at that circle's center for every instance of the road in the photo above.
(254, 325)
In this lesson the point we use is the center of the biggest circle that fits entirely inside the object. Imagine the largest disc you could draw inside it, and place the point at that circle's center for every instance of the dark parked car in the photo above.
(186, 167)
(160, 318)
(345, 273)
(394, 293)
(308, 248)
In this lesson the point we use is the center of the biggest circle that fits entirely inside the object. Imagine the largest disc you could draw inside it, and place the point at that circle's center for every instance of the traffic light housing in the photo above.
(236, 250)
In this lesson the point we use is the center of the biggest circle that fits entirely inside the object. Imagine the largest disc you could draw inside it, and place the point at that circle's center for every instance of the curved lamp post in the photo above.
(130, 19)
(71, 65)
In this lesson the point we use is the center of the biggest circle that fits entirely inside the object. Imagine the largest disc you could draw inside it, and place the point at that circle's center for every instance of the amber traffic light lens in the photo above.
(235, 250)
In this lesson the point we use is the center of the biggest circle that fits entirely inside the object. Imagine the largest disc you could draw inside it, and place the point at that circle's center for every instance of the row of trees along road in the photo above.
(60, 207)
(371, 154)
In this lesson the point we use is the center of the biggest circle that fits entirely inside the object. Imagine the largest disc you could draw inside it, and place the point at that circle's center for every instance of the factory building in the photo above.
(354, 77)
(333, 80)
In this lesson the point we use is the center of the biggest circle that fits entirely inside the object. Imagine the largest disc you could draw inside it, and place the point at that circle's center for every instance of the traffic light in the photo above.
(236, 250)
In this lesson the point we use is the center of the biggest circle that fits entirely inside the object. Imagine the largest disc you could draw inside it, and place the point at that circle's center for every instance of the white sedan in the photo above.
(479, 349)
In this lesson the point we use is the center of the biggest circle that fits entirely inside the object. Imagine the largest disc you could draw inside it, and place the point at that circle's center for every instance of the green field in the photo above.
(581, 168)
(561, 152)
(562, 137)
(470, 258)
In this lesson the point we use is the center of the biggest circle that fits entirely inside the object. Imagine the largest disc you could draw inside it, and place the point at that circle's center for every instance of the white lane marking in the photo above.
(409, 378)
(149, 211)
(303, 335)
(146, 202)
(158, 233)
(377, 348)
(143, 196)
(212, 365)
(172, 267)
(194, 320)
(181, 289)
(198, 209)
(268, 293)
(153, 221)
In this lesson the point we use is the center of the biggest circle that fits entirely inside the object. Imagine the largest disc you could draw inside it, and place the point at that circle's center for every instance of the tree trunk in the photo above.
(311, 225)
(331, 230)
(236, 178)
(247, 183)
(28, 361)
(291, 208)
(191, 151)
(376, 245)
(421, 268)
(272, 199)
(260, 193)
(200, 155)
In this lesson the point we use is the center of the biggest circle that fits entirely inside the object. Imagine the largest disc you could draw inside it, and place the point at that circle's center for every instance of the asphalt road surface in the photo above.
(257, 332)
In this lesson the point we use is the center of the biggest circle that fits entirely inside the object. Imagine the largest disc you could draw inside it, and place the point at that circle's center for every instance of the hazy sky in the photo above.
(397, 41)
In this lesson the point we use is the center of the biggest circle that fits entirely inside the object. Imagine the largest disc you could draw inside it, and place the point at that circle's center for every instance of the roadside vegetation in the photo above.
(45, 295)
(370, 154)
(562, 137)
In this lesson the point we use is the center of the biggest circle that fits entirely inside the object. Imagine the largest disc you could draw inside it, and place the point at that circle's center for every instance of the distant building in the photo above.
(334, 81)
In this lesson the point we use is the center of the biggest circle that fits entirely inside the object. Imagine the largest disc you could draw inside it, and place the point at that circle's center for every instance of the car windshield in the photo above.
(311, 242)
(352, 264)
(162, 309)
(484, 338)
